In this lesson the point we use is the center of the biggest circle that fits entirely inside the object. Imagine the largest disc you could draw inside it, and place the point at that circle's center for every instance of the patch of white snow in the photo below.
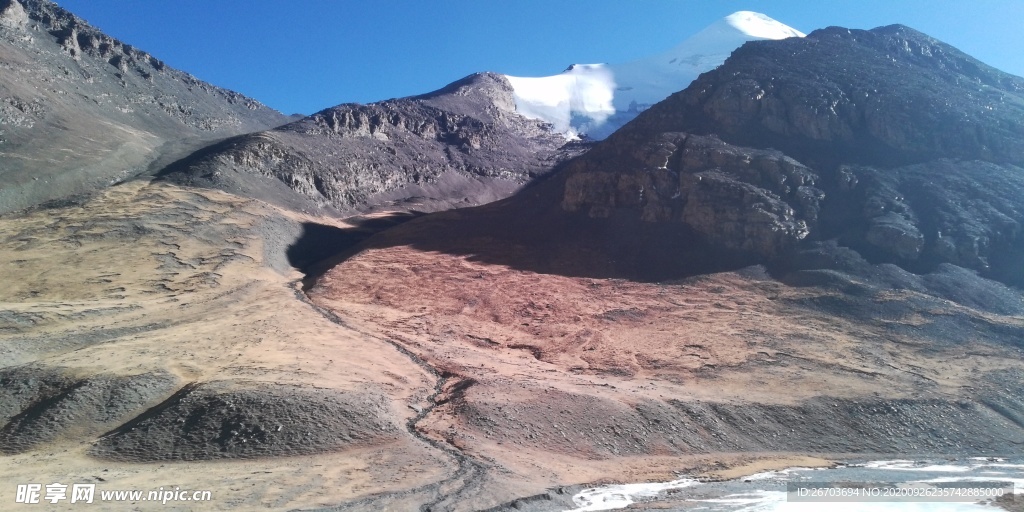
(611, 497)
(597, 99)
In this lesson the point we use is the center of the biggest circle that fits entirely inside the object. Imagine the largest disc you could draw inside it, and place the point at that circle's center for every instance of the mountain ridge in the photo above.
(95, 109)
(687, 295)
(911, 52)
(475, 140)
(461, 145)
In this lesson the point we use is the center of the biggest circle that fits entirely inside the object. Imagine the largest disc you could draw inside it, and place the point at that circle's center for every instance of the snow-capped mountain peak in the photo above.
(758, 25)
(597, 99)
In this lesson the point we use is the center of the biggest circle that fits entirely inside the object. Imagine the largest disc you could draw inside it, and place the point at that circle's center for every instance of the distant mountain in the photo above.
(80, 110)
(462, 145)
(597, 99)
(475, 141)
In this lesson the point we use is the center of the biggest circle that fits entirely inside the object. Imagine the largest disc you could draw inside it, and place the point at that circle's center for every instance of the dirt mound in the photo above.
(221, 421)
(43, 404)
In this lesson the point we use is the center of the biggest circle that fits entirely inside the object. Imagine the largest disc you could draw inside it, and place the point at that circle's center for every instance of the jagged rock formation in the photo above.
(458, 146)
(79, 109)
(898, 145)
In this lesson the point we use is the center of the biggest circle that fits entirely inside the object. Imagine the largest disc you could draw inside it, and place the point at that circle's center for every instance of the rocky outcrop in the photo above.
(895, 144)
(12, 14)
(968, 213)
(458, 146)
(80, 110)
(750, 200)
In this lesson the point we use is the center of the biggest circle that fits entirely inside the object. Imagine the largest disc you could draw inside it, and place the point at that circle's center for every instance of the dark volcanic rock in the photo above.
(80, 110)
(222, 420)
(458, 146)
(909, 152)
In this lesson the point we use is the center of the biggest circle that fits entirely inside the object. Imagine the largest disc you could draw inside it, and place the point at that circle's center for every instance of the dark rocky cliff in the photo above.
(889, 141)
(458, 146)
(80, 110)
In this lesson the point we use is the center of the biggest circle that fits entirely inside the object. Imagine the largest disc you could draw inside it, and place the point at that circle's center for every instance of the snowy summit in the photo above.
(597, 99)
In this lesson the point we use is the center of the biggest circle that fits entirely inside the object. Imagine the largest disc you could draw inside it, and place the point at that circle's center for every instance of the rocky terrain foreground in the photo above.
(154, 330)
(782, 264)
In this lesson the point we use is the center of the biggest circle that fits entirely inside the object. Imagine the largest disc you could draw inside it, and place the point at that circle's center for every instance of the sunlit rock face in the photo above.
(459, 146)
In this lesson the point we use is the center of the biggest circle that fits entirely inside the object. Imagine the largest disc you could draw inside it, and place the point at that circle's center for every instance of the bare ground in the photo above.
(152, 280)
(557, 380)
(160, 336)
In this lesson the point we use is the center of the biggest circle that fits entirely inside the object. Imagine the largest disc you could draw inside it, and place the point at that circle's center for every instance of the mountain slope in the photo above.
(597, 99)
(468, 359)
(887, 96)
(80, 110)
(896, 144)
(459, 146)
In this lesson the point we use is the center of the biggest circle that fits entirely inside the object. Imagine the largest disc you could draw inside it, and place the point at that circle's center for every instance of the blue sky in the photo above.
(300, 56)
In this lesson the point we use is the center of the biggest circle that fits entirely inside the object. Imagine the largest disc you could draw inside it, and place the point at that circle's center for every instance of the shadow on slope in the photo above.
(319, 246)
(530, 231)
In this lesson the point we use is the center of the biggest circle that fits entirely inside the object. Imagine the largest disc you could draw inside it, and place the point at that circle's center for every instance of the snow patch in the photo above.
(774, 475)
(574, 101)
(597, 99)
(767, 499)
(611, 497)
(907, 465)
